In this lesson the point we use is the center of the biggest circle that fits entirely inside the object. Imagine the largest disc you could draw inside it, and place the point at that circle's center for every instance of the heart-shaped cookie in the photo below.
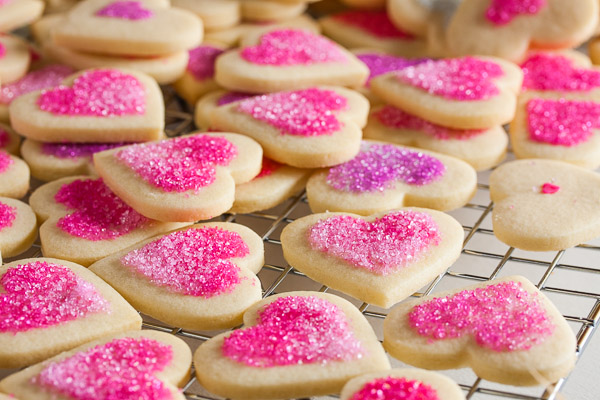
(476, 93)
(49, 306)
(85, 221)
(210, 101)
(14, 176)
(14, 14)
(288, 59)
(189, 178)
(506, 330)
(135, 364)
(198, 78)
(201, 277)
(381, 259)
(296, 344)
(385, 177)
(128, 28)
(18, 227)
(14, 58)
(308, 128)
(529, 217)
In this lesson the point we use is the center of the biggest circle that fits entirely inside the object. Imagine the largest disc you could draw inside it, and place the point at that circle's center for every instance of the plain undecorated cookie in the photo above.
(215, 14)
(17, 13)
(18, 227)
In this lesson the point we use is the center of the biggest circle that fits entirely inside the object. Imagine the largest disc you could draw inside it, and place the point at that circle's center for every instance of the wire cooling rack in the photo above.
(570, 278)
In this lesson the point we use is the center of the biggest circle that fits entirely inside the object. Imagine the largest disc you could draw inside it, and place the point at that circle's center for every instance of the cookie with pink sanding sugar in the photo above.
(198, 78)
(292, 345)
(185, 179)
(402, 383)
(307, 128)
(462, 93)
(288, 59)
(481, 148)
(380, 259)
(216, 15)
(508, 28)
(14, 58)
(64, 306)
(9, 140)
(17, 13)
(14, 176)
(210, 101)
(95, 105)
(384, 176)
(544, 205)
(506, 330)
(18, 227)
(84, 221)
(201, 277)
(135, 364)
(128, 28)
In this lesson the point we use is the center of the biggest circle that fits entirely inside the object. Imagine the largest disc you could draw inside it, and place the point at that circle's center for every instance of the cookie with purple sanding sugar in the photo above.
(185, 179)
(14, 176)
(135, 364)
(17, 13)
(481, 148)
(210, 101)
(381, 259)
(66, 305)
(18, 227)
(14, 57)
(308, 128)
(9, 140)
(506, 330)
(384, 177)
(201, 277)
(270, 11)
(198, 78)
(84, 221)
(292, 345)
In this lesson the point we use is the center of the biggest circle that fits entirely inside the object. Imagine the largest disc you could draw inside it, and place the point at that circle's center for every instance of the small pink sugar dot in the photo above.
(202, 61)
(549, 188)
(131, 10)
(376, 23)
(5, 161)
(7, 216)
(268, 167)
(544, 71)
(43, 78)
(2, 47)
(502, 12)
(393, 388)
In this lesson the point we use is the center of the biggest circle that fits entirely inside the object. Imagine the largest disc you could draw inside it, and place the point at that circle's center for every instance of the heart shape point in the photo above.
(543, 71)
(132, 10)
(382, 63)
(502, 12)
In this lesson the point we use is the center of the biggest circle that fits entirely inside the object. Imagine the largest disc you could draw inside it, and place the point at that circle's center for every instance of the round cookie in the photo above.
(18, 227)
(270, 11)
(14, 58)
(209, 102)
(17, 13)
(9, 140)
(198, 78)
(14, 176)
(215, 14)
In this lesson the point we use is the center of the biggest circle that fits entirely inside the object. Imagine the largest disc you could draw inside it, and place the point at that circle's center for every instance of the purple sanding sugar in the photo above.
(132, 10)
(502, 12)
(5, 161)
(43, 78)
(395, 388)
(7, 216)
(382, 63)
(230, 97)
(202, 61)
(75, 150)
(544, 71)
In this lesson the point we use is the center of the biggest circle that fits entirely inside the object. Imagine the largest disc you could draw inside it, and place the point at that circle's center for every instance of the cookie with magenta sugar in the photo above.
(18, 227)
(9, 140)
(477, 93)
(513, 333)
(292, 345)
(134, 364)
(288, 59)
(14, 176)
(270, 11)
(481, 148)
(17, 13)
(198, 78)
(385, 176)
(14, 58)
(65, 306)
(399, 383)
(184, 179)
(307, 128)
(84, 221)
(381, 259)
(215, 14)
(96, 105)
(531, 199)
(211, 101)
(201, 277)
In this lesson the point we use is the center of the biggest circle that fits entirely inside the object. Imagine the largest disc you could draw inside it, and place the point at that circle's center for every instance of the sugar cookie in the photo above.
(365, 3)
(14, 176)
(198, 78)
(210, 101)
(9, 140)
(270, 11)
(18, 227)
(14, 58)
(215, 14)
(17, 13)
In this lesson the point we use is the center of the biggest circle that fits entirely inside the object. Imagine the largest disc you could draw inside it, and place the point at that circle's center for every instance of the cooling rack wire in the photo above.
(570, 278)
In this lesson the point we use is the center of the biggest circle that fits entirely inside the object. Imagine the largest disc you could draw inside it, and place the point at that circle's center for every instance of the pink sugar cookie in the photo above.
(383, 258)
(50, 305)
(558, 72)
(319, 337)
(14, 176)
(513, 334)
(18, 227)
(210, 101)
(198, 78)
(131, 10)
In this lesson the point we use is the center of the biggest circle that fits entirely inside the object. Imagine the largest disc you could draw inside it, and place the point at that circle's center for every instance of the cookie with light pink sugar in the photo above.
(288, 59)
(476, 93)
(18, 227)
(198, 78)
(17, 13)
(506, 330)
(508, 28)
(201, 277)
(307, 128)
(95, 105)
(381, 259)
(14, 58)
(14, 176)
(185, 179)
(134, 364)
(481, 148)
(210, 101)
(544, 205)
(402, 383)
(215, 14)
(64, 306)
(84, 221)
(384, 176)
(9, 140)
(292, 345)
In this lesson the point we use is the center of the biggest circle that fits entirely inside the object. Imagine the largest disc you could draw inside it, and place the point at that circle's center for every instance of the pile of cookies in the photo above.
(382, 111)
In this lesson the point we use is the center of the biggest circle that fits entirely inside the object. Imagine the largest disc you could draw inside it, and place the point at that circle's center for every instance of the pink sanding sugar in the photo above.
(230, 97)
(308, 112)
(131, 10)
(464, 79)
(7, 216)
(398, 119)
(2, 47)
(121, 369)
(43, 78)
(41, 294)
(294, 330)
(501, 317)
(194, 262)
(379, 64)
(562, 122)
(549, 188)
(180, 164)
(77, 150)
(268, 167)
(97, 213)
(4, 138)
(382, 246)
(502, 12)
(100, 93)
(292, 47)
(395, 388)
(5, 161)
(202, 61)
(544, 71)
(376, 23)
